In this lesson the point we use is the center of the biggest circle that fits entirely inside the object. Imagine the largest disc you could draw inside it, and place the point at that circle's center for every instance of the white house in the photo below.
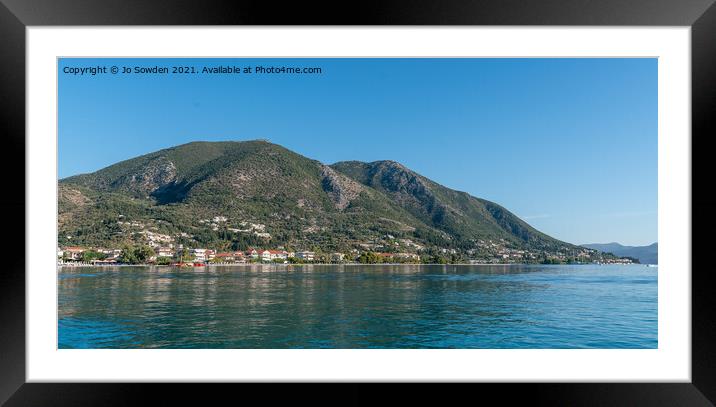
(199, 254)
(113, 254)
(165, 252)
(278, 255)
(306, 256)
(410, 256)
(74, 252)
(253, 253)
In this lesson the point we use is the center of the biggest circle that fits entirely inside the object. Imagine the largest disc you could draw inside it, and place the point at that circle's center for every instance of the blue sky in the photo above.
(570, 145)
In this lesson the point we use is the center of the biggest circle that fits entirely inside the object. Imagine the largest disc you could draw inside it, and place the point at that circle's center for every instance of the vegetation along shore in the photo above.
(258, 202)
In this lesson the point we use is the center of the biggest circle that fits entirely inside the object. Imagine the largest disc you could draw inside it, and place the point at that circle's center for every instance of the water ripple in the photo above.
(359, 307)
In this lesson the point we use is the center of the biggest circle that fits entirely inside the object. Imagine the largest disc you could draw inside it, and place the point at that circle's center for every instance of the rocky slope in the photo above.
(235, 194)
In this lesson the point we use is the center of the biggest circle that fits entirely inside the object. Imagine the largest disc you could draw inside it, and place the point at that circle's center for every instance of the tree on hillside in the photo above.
(91, 255)
(127, 255)
(143, 253)
(136, 255)
(185, 256)
(369, 258)
(164, 261)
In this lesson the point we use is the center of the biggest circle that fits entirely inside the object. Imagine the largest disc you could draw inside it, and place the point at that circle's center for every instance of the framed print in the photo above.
(401, 194)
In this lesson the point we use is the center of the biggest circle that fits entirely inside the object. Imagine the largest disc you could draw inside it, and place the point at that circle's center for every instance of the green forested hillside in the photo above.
(464, 217)
(232, 195)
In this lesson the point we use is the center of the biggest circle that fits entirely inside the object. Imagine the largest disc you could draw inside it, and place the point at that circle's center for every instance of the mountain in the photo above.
(464, 217)
(238, 194)
(646, 254)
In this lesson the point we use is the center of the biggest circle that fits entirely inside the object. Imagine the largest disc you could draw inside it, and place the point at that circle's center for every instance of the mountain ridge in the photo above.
(292, 201)
(648, 254)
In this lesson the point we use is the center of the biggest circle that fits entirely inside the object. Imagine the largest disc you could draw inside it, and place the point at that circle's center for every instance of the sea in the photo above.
(359, 307)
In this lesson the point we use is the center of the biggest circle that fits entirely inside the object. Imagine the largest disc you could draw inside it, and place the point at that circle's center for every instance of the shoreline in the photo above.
(348, 264)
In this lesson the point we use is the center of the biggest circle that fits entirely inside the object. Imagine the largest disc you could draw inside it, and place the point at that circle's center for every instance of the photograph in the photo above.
(357, 203)
(504, 195)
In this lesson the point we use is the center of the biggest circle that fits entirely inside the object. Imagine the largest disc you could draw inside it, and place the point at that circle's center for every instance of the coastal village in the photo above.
(156, 253)
(200, 257)
(145, 211)
(193, 256)
(151, 247)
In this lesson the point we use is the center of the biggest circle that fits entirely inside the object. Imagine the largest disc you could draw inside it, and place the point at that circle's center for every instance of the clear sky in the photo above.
(569, 145)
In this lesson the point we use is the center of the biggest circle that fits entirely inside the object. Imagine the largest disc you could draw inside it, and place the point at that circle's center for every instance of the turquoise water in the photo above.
(581, 306)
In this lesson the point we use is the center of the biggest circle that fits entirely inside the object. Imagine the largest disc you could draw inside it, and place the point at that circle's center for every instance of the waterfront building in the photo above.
(278, 254)
(239, 257)
(253, 253)
(74, 252)
(165, 252)
(306, 255)
(226, 257)
(199, 254)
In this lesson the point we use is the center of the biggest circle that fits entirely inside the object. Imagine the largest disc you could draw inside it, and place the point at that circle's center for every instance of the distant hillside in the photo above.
(463, 216)
(227, 195)
(645, 254)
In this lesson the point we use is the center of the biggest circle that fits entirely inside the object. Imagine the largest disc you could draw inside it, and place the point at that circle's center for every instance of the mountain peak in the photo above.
(296, 201)
(390, 163)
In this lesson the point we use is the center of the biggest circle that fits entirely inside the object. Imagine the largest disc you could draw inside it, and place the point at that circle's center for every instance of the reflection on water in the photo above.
(377, 306)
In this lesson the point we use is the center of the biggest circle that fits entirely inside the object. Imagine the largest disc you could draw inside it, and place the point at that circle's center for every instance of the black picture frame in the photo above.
(16, 15)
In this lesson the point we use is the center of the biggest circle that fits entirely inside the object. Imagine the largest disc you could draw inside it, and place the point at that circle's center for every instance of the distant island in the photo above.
(645, 254)
(254, 201)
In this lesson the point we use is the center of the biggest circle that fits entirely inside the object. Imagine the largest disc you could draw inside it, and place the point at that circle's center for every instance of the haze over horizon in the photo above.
(569, 145)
